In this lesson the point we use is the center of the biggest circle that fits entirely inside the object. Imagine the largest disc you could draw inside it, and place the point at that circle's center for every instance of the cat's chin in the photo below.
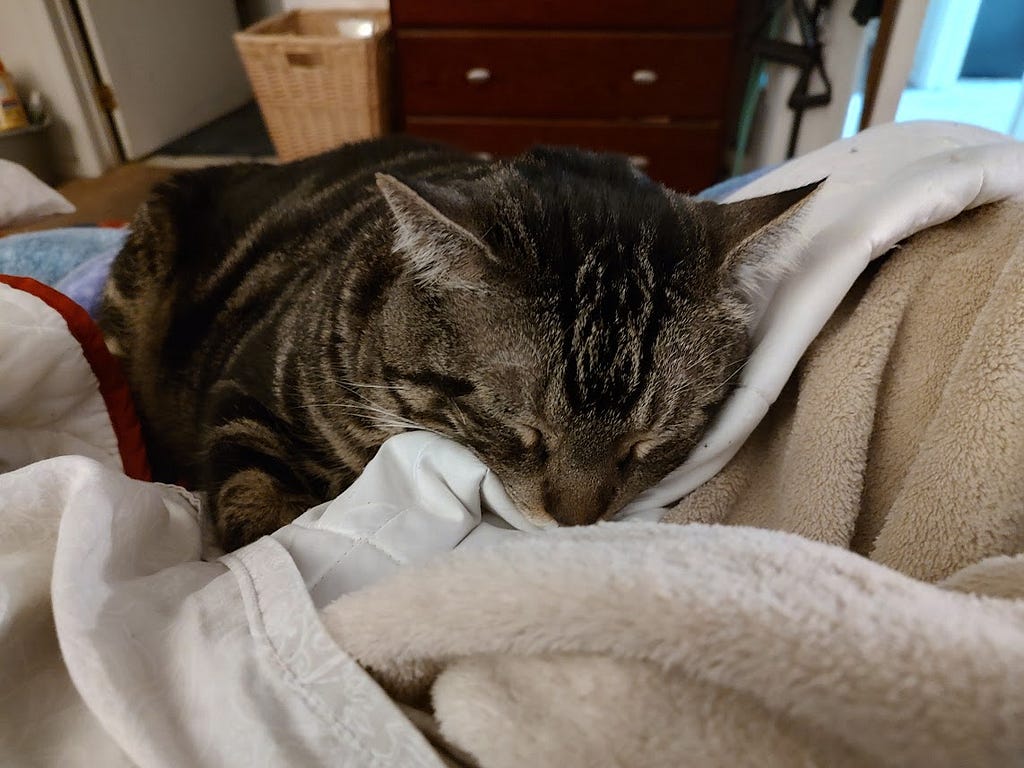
(533, 515)
(542, 519)
(539, 518)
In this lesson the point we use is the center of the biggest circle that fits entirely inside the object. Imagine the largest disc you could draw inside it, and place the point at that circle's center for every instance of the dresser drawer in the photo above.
(568, 75)
(684, 156)
(565, 14)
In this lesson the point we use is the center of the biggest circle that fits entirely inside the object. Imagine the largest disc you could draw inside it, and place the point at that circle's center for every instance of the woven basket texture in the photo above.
(316, 88)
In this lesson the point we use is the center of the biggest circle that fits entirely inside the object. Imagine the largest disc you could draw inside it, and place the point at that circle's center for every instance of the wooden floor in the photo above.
(113, 196)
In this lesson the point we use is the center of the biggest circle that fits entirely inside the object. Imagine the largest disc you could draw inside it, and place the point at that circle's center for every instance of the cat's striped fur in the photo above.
(565, 317)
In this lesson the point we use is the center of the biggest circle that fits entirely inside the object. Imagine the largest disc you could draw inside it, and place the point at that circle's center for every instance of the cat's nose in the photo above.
(580, 503)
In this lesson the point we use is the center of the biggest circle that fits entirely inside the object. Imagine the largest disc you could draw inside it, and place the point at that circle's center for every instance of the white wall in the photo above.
(43, 51)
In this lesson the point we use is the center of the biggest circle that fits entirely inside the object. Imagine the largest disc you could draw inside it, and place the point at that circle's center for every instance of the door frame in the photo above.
(96, 135)
(892, 59)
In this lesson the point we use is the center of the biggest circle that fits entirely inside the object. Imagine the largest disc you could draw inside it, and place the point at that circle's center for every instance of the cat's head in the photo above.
(571, 321)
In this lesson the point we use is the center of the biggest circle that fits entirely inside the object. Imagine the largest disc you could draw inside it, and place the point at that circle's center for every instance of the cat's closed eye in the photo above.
(630, 448)
(634, 451)
(533, 439)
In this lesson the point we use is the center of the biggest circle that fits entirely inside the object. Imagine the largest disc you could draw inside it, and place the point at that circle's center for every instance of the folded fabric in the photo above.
(62, 392)
(658, 645)
(108, 564)
(439, 496)
(167, 657)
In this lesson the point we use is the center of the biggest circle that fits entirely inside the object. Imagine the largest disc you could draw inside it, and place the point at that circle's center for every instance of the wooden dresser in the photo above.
(647, 78)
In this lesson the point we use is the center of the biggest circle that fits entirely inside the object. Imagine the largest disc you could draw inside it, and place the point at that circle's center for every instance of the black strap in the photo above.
(865, 10)
(807, 55)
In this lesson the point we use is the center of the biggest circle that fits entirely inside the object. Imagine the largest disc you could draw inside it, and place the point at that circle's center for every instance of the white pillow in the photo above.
(23, 197)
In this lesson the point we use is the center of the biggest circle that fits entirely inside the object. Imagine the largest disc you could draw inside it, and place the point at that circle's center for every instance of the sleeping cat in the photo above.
(569, 320)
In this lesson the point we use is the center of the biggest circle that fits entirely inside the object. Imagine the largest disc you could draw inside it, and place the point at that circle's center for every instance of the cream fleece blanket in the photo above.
(900, 437)
(901, 434)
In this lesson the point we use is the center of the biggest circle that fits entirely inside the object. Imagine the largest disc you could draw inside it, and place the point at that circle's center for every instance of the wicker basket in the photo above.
(316, 87)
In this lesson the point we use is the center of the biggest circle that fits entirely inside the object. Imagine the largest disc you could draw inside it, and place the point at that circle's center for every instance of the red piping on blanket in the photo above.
(106, 369)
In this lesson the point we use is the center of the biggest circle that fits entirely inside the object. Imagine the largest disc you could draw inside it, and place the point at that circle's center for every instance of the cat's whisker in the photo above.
(406, 427)
(380, 416)
(729, 380)
(379, 422)
(365, 412)
(361, 385)
(708, 355)
(458, 409)
(362, 403)
(331, 404)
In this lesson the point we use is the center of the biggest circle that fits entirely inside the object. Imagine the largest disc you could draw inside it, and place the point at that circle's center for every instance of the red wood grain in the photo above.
(684, 156)
(565, 14)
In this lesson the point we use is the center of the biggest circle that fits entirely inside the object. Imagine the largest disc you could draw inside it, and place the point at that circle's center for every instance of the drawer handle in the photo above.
(645, 76)
(305, 60)
(478, 75)
(639, 161)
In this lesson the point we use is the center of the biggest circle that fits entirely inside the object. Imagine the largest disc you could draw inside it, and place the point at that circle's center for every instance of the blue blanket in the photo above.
(75, 261)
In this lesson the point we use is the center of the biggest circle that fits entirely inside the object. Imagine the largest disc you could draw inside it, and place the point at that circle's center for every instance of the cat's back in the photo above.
(202, 233)
(208, 211)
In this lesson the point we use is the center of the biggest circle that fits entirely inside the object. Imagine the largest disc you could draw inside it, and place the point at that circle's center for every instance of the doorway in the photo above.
(967, 67)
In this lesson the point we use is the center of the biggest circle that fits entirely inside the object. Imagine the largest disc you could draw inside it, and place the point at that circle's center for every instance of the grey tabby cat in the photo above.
(568, 319)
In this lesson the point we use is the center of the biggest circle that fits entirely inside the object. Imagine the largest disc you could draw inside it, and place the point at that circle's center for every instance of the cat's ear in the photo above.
(752, 238)
(438, 249)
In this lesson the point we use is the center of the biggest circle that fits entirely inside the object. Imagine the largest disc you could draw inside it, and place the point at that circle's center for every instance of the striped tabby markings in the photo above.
(305, 202)
(252, 502)
(588, 331)
(250, 432)
(319, 417)
(112, 293)
(609, 351)
(242, 247)
(285, 338)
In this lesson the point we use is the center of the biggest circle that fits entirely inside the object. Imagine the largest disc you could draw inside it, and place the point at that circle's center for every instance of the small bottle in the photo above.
(36, 108)
(12, 114)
